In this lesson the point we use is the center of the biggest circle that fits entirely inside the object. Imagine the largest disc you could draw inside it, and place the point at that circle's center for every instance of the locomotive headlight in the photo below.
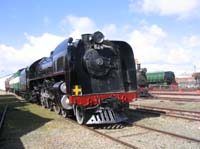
(98, 37)
(63, 88)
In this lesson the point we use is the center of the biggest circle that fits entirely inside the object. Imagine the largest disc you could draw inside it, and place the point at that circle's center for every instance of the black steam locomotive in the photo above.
(142, 81)
(91, 78)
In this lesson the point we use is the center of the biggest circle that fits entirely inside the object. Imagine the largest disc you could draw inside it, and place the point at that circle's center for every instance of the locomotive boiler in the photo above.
(91, 78)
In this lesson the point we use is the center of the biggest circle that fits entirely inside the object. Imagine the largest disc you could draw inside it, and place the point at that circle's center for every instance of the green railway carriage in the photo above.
(14, 82)
(163, 77)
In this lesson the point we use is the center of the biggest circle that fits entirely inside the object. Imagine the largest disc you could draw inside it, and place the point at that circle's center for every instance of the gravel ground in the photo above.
(65, 134)
(144, 138)
(169, 124)
(33, 127)
(190, 106)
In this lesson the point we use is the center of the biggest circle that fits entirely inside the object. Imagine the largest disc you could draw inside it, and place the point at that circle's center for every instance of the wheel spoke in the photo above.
(64, 113)
(80, 115)
(57, 109)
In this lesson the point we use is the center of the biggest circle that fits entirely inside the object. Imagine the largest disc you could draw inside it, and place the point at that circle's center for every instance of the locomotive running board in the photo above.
(106, 116)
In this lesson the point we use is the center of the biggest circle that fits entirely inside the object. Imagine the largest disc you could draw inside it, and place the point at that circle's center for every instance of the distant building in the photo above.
(189, 81)
(196, 75)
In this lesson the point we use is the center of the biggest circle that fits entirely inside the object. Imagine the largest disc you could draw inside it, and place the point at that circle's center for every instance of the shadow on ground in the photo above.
(137, 115)
(18, 122)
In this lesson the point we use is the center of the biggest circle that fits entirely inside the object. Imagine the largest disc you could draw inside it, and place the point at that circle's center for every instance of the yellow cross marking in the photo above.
(77, 90)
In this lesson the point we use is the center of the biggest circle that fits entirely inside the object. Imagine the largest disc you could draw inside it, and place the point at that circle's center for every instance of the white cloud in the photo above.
(146, 43)
(157, 31)
(192, 41)
(114, 32)
(36, 47)
(14, 59)
(78, 25)
(156, 50)
(109, 30)
(180, 8)
(2, 82)
(152, 45)
(179, 56)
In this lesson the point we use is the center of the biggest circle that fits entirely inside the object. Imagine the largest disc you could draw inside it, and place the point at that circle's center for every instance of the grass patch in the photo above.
(7, 99)
(21, 118)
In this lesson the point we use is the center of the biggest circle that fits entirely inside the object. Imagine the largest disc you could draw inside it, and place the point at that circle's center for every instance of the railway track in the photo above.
(171, 99)
(183, 114)
(93, 129)
(175, 93)
(168, 133)
(145, 111)
(119, 139)
(115, 139)
(3, 114)
(109, 132)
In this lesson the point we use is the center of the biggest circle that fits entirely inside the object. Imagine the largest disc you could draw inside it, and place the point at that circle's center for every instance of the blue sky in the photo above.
(165, 35)
(37, 17)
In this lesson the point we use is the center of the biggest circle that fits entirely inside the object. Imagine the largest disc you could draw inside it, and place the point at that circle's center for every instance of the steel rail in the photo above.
(168, 133)
(103, 134)
(187, 118)
(166, 109)
(175, 93)
(169, 112)
(3, 116)
(172, 99)
(116, 140)
(166, 114)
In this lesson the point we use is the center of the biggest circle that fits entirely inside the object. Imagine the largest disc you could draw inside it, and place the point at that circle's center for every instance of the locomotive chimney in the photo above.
(138, 66)
(86, 38)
